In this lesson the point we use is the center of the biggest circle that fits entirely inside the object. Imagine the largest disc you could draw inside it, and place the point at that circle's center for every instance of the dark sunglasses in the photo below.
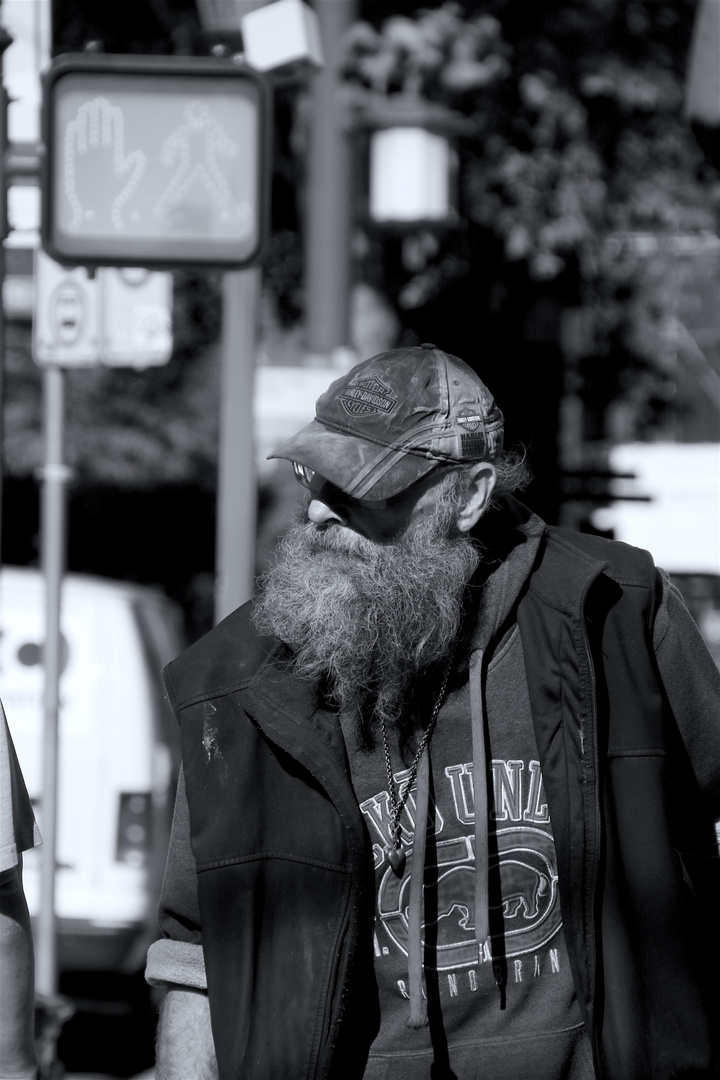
(303, 475)
(306, 477)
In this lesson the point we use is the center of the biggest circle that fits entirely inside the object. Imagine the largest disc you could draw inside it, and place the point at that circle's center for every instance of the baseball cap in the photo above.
(393, 418)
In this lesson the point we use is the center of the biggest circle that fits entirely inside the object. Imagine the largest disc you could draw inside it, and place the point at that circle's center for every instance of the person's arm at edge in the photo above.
(184, 1046)
(692, 684)
(17, 982)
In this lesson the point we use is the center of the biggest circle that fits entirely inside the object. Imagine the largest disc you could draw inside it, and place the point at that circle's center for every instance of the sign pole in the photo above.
(2, 367)
(53, 538)
(237, 496)
(5, 41)
(329, 194)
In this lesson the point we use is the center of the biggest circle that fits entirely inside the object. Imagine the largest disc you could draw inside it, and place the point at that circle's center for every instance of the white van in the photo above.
(118, 756)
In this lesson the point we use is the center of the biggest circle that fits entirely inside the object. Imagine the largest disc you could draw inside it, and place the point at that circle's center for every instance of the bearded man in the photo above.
(449, 786)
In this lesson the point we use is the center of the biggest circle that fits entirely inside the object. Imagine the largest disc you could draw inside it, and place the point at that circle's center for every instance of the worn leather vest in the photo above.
(285, 872)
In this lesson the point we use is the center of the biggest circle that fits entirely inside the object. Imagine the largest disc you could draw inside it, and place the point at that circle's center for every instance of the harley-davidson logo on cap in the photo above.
(367, 396)
(470, 419)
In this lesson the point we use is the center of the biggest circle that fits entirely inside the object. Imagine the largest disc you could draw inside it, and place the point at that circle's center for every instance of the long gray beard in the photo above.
(366, 618)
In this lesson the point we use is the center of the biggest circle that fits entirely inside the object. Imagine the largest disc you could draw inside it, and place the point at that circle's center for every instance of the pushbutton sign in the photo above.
(120, 317)
(154, 161)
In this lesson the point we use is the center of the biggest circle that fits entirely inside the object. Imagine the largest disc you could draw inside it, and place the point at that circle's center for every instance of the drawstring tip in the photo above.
(481, 940)
(418, 1017)
(482, 948)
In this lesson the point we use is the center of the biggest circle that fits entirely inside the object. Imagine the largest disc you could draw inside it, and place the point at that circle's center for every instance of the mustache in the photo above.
(339, 540)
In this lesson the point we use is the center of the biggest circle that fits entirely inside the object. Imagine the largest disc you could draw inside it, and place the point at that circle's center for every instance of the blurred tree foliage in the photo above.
(575, 142)
(576, 147)
(125, 427)
(135, 26)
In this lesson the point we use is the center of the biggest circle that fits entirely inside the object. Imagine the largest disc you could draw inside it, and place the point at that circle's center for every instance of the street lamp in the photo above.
(410, 175)
(412, 160)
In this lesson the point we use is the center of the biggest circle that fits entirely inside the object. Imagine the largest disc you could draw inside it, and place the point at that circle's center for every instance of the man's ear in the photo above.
(480, 485)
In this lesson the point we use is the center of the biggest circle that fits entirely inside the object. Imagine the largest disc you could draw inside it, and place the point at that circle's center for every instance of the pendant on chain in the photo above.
(396, 858)
(395, 853)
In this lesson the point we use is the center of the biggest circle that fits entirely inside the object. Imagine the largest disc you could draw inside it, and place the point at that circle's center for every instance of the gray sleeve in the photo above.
(177, 956)
(178, 911)
(175, 963)
(692, 684)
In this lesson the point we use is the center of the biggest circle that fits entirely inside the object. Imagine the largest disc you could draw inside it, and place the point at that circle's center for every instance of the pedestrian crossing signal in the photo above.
(154, 161)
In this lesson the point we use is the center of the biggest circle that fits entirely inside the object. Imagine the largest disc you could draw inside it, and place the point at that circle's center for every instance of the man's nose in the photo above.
(320, 513)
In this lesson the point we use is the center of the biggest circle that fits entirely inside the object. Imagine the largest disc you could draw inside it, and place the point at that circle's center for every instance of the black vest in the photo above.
(285, 872)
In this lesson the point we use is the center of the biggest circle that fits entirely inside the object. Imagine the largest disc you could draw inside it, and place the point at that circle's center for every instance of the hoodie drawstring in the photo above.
(477, 722)
(418, 1008)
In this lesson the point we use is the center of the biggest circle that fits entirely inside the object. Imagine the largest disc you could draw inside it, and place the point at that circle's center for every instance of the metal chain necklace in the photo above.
(394, 851)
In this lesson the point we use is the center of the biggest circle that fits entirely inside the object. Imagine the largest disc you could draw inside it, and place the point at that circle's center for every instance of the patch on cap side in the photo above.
(470, 419)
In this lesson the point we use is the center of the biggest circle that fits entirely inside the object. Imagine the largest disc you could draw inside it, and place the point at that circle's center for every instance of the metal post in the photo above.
(2, 380)
(53, 541)
(329, 194)
(237, 494)
(5, 41)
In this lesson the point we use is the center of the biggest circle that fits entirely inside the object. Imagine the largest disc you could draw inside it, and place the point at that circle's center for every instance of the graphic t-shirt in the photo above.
(510, 1013)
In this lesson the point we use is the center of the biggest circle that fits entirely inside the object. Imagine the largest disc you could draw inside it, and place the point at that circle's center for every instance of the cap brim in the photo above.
(341, 458)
